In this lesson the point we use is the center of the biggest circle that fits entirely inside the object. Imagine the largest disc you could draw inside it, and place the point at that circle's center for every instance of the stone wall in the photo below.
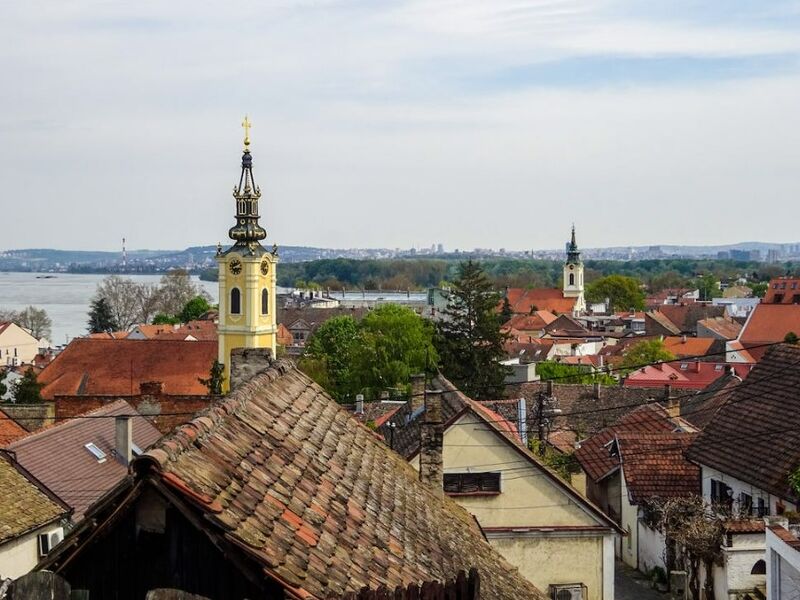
(31, 416)
(246, 363)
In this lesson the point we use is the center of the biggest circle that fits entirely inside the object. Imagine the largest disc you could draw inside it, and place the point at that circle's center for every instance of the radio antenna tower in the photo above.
(124, 256)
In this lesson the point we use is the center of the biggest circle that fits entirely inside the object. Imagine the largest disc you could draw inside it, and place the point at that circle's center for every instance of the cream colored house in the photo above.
(537, 521)
(17, 346)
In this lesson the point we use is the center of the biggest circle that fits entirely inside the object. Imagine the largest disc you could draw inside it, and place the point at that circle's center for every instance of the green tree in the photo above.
(506, 311)
(162, 319)
(790, 338)
(216, 377)
(3, 388)
(624, 293)
(27, 390)
(469, 339)
(759, 289)
(794, 480)
(328, 356)
(394, 343)
(709, 287)
(101, 318)
(194, 309)
(645, 353)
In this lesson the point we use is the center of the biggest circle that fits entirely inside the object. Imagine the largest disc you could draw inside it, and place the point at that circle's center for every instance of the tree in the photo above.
(162, 319)
(759, 289)
(216, 377)
(175, 291)
(3, 388)
(709, 287)
(27, 390)
(101, 319)
(506, 311)
(794, 478)
(122, 296)
(646, 352)
(328, 356)
(147, 299)
(36, 321)
(194, 309)
(394, 343)
(468, 337)
(696, 530)
(623, 293)
(790, 338)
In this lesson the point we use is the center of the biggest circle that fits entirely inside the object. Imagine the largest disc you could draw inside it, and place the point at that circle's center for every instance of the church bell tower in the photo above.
(247, 281)
(573, 275)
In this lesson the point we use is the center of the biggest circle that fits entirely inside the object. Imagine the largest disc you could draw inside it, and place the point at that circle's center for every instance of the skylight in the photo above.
(136, 450)
(96, 452)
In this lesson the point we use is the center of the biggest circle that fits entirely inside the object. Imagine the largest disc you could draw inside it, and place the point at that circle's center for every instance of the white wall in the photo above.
(652, 545)
(19, 556)
(738, 560)
(739, 486)
(783, 569)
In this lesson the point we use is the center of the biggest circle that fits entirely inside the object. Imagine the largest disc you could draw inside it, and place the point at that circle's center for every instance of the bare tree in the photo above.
(696, 529)
(36, 321)
(8, 316)
(175, 290)
(147, 300)
(122, 295)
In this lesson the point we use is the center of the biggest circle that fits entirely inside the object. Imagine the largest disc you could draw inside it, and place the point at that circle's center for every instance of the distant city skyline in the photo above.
(386, 125)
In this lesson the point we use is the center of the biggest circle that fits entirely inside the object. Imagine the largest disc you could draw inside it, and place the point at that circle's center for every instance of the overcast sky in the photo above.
(472, 123)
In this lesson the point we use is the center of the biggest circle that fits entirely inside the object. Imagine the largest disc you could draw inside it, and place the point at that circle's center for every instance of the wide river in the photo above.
(65, 297)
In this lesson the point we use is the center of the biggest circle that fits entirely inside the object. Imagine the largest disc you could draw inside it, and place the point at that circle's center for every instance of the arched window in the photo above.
(760, 568)
(236, 301)
(572, 278)
(264, 301)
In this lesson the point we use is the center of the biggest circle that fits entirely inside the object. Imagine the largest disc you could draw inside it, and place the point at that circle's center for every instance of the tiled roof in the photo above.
(117, 367)
(688, 375)
(594, 455)
(762, 415)
(700, 408)
(4, 325)
(528, 350)
(523, 300)
(57, 456)
(686, 316)
(10, 430)
(198, 330)
(655, 467)
(315, 498)
(535, 322)
(285, 337)
(684, 346)
(25, 505)
(566, 326)
(786, 536)
(745, 526)
(724, 327)
(770, 323)
(316, 316)
(108, 335)
(150, 331)
(662, 321)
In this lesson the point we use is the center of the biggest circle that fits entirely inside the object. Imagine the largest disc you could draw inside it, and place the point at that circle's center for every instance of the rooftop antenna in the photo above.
(124, 255)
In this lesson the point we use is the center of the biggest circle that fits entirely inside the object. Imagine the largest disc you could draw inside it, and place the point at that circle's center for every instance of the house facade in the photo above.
(17, 346)
(783, 561)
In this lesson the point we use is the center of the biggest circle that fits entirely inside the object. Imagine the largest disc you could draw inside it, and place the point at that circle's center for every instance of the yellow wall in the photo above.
(17, 343)
(249, 328)
(528, 498)
(556, 560)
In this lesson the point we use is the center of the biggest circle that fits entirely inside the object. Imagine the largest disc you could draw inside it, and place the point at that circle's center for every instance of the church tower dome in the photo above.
(246, 272)
(573, 275)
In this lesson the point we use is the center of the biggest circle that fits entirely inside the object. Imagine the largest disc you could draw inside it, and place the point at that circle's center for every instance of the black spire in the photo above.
(573, 254)
(247, 233)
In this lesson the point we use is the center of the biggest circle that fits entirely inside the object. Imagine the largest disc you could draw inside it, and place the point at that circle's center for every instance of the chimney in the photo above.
(667, 392)
(417, 390)
(151, 388)
(123, 439)
(522, 421)
(549, 388)
(597, 390)
(431, 467)
(697, 366)
(359, 404)
(246, 363)
(683, 339)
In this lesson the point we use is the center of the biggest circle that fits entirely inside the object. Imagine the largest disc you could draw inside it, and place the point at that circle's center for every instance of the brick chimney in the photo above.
(123, 439)
(417, 390)
(246, 363)
(431, 467)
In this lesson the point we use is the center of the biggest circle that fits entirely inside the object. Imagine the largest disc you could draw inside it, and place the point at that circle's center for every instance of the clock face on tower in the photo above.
(235, 266)
(264, 266)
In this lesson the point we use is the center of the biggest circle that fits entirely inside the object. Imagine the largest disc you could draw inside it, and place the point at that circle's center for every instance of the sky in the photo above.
(470, 123)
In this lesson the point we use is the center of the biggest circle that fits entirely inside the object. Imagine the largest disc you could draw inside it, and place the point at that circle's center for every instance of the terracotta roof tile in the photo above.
(57, 456)
(770, 323)
(10, 430)
(535, 322)
(314, 497)
(25, 505)
(685, 375)
(118, 367)
(745, 526)
(523, 300)
(684, 346)
(764, 414)
(724, 327)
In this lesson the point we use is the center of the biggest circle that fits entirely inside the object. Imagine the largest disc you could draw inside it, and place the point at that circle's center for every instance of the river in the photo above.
(65, 297)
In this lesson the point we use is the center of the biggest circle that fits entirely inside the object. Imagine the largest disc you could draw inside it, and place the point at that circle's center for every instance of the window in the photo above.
(778, 298)
(684, 366)
(572, 278)
(760, 568)
(721, 493)
(472, 483)
(236, 301)
(745, 504)
(796, 299)
(264, 301)
(96, 452)
(761, 508)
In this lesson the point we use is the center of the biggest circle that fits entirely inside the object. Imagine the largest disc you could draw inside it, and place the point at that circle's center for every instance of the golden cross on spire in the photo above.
(246, 124)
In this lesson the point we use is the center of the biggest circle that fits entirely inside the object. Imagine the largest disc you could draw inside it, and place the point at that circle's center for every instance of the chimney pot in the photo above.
(123, 439)
(597, 390)
(522, 420)
(359, 404)
(431, 467)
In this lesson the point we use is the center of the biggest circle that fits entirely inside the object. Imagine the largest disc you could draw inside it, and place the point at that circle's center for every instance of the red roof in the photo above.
(57, 455)
(692, 375)
(118, 367)
(684, 346)
(198, 330)
(10, 430)
(535, 322)
(770, 323)
(522, 300)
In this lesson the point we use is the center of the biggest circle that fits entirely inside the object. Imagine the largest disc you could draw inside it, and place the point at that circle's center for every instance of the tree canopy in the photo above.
(468, 336)
(27, 390)
(194, 309)
(101, 318)
(646, 352)
(623, 293)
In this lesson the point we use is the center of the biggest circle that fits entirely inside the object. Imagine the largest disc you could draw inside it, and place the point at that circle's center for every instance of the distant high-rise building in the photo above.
(440, 249)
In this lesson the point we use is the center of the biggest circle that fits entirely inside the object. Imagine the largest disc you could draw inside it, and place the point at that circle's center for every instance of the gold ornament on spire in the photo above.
(246, 124)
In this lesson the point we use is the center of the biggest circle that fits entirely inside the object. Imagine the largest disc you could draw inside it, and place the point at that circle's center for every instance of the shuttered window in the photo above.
(472, 483)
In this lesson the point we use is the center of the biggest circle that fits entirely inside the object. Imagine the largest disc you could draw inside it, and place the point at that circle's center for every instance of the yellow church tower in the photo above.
(247, 282)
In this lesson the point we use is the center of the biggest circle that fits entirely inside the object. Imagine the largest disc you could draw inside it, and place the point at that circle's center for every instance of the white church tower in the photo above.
(573, 275)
